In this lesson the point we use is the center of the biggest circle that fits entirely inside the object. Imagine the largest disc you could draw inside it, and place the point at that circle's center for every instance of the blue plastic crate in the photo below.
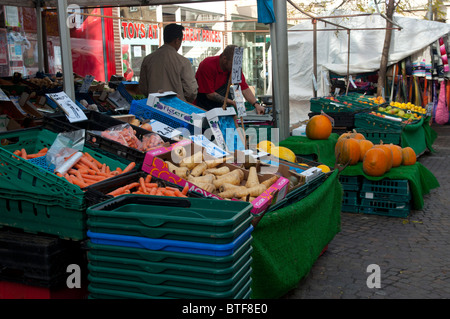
(141, 110)
(170, 245)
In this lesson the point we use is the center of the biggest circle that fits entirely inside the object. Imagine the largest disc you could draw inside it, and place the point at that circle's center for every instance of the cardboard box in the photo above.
(154, 164)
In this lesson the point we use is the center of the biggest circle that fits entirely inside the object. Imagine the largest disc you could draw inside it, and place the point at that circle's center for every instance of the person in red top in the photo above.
(212, 77)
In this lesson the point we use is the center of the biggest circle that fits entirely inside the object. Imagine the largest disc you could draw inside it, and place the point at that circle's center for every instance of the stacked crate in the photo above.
(385, 197)
(350, 199)
(38, 263)
(151, 248)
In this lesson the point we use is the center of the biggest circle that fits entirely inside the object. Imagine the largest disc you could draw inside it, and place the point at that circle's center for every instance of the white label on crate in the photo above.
(210, 147)
(164, 129)
(72, 111)
(369, 195)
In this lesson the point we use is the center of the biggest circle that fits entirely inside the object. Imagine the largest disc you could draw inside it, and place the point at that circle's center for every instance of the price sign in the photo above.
(239, 99)
(69, 107)
(163, 129)
(236, 71)
(88, 79)
(211, 148)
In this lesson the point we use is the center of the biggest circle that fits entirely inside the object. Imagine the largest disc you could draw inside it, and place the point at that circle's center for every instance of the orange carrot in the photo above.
(17, 152)
(185, 189)
(129, 167)
(151, 185)
(142, 183)
(44, 150)
(117, 191)
(88, 163)
(76, 181)
(179, 194)
(24, 153)
(96, 162)
(148, 178)
(153, 191)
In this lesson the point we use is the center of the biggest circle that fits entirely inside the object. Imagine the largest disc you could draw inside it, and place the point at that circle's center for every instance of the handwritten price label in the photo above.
(163, 129)
(236, 71)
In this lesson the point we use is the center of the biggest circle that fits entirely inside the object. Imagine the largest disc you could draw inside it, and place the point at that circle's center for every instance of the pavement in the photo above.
(411, 254)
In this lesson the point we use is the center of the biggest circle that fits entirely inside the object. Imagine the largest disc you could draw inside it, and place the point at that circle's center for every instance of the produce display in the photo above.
(216, 177)
(377, 159)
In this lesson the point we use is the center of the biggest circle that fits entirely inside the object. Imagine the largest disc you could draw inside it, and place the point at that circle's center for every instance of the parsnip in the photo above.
(226, 186)
(192, 161)
(270, 181)
(199, 169)
(254, 191)
(216, 162)
(234, 177)
(202, 179)
(182, 172)
(217, 171)
(252, 179)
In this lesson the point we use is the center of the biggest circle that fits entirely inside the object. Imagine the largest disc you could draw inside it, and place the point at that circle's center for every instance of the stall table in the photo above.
(288, 241)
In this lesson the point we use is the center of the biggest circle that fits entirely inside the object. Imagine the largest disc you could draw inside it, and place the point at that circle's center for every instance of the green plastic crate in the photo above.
(42, 218)
(100, 290)
(350, 183)
(182, 258)
(24, 176)
(384, 208)
(378, 135)
(168, 286)
(386, 189)
(186, 219)
(370, 121)
(161, 268)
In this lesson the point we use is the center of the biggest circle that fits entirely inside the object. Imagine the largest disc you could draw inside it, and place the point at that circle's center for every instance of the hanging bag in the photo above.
(441, 116)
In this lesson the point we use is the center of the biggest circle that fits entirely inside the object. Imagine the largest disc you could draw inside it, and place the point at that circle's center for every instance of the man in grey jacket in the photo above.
(167, 70)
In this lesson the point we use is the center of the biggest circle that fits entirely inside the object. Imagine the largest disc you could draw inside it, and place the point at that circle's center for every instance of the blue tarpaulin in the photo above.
(265, 11)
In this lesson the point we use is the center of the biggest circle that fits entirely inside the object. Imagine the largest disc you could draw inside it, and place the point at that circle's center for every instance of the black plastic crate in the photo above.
(38, 259)
(100, 122)
(341, 119)
(98, 193)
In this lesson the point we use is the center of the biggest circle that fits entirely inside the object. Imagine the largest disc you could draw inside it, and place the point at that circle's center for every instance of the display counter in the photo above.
(288, 241)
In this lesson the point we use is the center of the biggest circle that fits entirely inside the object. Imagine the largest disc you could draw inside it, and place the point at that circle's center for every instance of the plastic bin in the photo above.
(39, 260)
(232, 289)
(208, 249)
(350, 183)
(187, 219)
(100, 122)
(385, 208)
(97, 193)
(175, 258)
(142, 111)
(101, 288)
(37, 200)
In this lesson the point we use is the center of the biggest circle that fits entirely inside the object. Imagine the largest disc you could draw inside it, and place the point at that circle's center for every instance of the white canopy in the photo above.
(365, 51)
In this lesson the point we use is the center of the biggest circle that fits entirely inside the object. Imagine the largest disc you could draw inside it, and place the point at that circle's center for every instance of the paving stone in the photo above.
(413, 252)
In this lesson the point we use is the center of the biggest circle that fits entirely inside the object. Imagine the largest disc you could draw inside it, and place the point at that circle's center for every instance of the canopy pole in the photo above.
(66, 52)
(40, 37)
(348, 61)
(280, 68)
(314, 22)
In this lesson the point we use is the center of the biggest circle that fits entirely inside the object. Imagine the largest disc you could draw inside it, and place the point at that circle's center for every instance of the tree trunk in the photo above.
(386, 47)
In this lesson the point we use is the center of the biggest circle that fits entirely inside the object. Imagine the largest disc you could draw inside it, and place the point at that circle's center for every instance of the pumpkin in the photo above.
(364, 146)
(318, 128)
(353, 134)
(347, 151)
(375, 162)
(283, 153)
(408, 156)
(397, 156)
(389, 155)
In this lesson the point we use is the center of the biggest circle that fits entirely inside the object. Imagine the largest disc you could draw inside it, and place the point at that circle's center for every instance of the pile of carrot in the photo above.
(85, 172)
(88, 171)
(23, 153)
(144, 186)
